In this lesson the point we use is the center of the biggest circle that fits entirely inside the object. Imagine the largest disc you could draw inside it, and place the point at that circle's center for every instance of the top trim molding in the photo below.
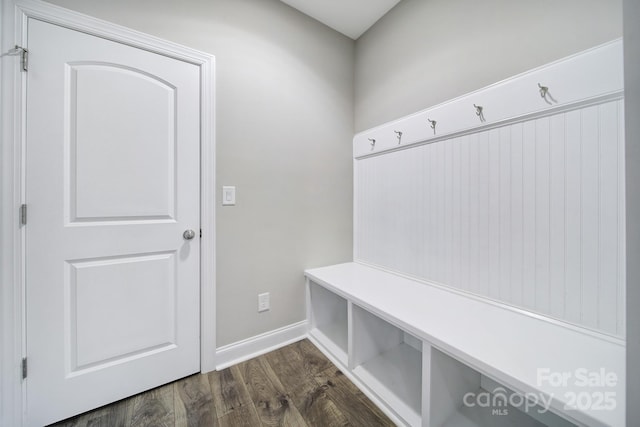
(87, 24)
(583, 78)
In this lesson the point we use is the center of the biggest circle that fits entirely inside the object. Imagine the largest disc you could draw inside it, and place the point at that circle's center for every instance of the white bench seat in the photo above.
(522, 351)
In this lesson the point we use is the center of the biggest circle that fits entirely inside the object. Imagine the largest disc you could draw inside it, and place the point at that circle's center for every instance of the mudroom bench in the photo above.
(431, 356)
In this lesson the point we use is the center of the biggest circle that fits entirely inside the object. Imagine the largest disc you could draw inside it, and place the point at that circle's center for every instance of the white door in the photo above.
(112, 183)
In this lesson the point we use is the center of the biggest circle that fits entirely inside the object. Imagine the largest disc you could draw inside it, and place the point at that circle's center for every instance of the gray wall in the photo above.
(284, 127)
(425, 52)
(632, 111)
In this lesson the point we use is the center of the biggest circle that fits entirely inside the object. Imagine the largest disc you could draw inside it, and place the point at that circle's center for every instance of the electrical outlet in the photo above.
(263, 302)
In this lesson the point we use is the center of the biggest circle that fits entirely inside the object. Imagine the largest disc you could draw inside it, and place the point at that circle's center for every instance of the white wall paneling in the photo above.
(526, 208)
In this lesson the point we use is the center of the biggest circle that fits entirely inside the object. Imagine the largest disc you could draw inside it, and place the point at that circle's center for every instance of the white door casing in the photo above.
(80, 206)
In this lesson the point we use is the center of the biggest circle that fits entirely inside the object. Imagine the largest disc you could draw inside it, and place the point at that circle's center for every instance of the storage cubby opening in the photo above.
(462, 397)
(329, 320)
(389, 361)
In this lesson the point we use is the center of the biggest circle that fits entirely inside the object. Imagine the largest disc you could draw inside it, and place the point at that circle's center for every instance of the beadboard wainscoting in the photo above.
(527, 210)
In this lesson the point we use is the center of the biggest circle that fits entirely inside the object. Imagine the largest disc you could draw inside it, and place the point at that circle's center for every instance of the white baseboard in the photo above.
(240, 351)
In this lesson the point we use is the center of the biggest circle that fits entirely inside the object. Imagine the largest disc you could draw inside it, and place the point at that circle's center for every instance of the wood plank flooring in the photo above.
(294, 386)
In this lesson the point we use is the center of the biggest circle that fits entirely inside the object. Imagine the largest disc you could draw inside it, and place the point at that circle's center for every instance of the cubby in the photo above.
(460, 396)
(328, 321)
(389, 361)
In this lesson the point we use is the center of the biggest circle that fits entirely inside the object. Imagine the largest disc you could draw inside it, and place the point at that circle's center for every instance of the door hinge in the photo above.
(23, 214)
(201, 233)
(24, 368)
(25, 59)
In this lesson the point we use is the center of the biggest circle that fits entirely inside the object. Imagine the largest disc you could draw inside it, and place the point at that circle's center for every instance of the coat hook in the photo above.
(433, 125)
(543, 90)
(479, 112)
(398, 135)
(546, 95)
(372, 142)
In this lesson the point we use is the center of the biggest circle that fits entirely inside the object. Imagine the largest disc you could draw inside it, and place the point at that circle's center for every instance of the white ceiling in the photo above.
(350, 17)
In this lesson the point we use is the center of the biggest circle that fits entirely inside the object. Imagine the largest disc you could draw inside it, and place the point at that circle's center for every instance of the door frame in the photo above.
(13, 17)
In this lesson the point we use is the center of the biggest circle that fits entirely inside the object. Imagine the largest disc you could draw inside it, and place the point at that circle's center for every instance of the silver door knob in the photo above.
(188, 234)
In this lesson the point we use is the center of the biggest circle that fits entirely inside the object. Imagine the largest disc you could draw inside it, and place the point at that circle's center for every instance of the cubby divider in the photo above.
(449, 381)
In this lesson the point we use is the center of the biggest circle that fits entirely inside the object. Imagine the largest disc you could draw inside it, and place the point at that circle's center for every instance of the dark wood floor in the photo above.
(294, 386)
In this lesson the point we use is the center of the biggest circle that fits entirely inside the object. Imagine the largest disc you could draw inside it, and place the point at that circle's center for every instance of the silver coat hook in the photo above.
(479, 112)
(433, 125)
(398, 135)
(372, 142)
(543, 90)
(546, 95)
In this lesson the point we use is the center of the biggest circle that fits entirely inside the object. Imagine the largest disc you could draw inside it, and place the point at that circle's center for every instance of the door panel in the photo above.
(112, 181)
(122, 143)
(134, 284)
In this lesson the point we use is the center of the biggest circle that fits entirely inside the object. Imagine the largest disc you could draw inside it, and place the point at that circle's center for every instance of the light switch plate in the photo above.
(228, 196)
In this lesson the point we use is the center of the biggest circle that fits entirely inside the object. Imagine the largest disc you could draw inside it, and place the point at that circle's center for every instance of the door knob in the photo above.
(188, 234)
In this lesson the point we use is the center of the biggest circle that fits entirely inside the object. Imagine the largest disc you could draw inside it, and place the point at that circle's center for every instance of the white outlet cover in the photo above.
(263, 302)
